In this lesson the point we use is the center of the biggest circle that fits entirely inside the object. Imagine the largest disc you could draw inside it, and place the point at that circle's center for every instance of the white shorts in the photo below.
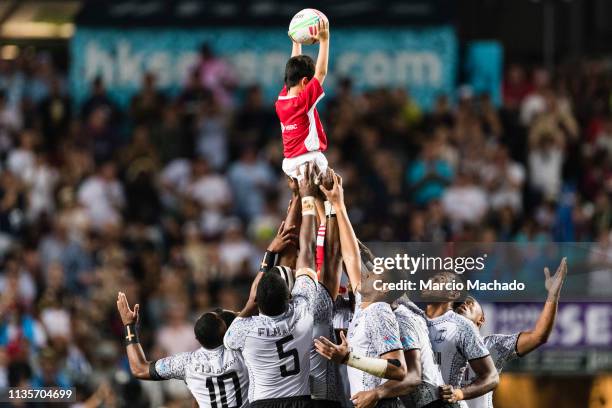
(291, 165)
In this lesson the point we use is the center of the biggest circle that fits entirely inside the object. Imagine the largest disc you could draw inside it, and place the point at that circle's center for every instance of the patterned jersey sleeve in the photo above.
(502, 348)
(384, 329)
(304, 293)
(173, 367)
(409, 334)
(323, 310)
(470, 344)
(236, 334)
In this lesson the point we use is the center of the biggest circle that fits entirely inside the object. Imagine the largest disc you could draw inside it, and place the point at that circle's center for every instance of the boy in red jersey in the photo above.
(303, 136)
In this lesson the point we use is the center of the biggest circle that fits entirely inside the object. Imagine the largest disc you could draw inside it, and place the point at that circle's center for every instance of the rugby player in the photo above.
(215, 375)
(276, 344)
(456, 344)
(506, 347)
(376, 351)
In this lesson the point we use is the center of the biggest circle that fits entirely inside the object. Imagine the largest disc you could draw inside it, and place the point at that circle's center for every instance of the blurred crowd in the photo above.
(174, 198)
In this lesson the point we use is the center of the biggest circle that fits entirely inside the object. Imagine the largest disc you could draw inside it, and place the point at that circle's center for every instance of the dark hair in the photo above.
(272, 294)
(209, 330)
(301, 66)
(227, 316)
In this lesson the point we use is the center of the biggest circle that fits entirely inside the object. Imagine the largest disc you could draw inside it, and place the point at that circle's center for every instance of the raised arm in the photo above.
(348, 241)
(139, 365)
(332, 260)
(322, 59)
(530, 340)
(296, 49)
(288, 256)
(285, 237)
(308, 190)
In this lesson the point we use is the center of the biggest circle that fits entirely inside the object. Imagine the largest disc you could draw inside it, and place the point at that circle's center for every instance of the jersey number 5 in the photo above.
(289, 353)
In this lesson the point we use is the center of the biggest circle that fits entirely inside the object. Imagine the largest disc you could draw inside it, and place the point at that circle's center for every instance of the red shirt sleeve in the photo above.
(311, 93)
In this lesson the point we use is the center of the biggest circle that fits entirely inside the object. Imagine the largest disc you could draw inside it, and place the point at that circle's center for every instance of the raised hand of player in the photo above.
(307, 180)
(334, 352)
(128, 316)
(450, 394)
(322, 30)
(284, 237)
(554, 283)
(335, 195)
(365, 399)
(293, 186)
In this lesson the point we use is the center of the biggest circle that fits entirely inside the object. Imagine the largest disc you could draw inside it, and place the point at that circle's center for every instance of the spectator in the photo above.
(429, 175)
(102, 196)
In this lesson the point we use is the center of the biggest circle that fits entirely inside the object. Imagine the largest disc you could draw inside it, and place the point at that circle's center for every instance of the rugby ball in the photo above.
(303, 26)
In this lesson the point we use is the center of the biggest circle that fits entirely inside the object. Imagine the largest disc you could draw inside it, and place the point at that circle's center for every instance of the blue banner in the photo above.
(421, 60)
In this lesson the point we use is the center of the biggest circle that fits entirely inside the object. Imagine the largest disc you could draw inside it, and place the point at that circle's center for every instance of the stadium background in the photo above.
(130, 162)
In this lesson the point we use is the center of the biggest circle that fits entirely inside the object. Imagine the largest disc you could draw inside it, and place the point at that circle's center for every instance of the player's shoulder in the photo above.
(242, 325)
(463, 322)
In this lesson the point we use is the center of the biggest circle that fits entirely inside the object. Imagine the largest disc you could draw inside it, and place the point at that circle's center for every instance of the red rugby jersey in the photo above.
(300, 123)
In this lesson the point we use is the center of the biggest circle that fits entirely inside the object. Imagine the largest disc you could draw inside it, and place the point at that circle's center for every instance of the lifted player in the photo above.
(276, 344)
(215, 375)
(504, 347)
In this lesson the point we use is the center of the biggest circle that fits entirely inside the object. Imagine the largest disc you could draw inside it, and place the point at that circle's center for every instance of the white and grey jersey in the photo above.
(373, 332)
(455, 341)
(343, 313)
(323, 372)
(503, 349)
(276, 349)
(216, 378)
(414, 335)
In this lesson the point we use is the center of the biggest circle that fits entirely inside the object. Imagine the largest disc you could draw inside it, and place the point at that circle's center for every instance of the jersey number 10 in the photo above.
(221, 384)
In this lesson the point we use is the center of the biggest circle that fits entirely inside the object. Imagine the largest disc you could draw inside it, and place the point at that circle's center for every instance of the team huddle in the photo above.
(303, 339)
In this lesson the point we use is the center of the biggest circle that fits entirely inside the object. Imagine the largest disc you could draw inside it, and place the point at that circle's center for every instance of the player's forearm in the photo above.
(349, 247)
(330, 273)
(306, 256)
(296, 49)
(529, 341)
(393, 388)
(139, 365)
(289, 255)
(391, 369)
(482, 385)
(322, 60)
(250, 308)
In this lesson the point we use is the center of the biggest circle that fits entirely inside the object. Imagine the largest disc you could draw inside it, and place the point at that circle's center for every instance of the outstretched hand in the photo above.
(334, 352)
(322, 30)
(284, 237)
(554, 283)
(308, 179)
(128, 316)
(335, 195)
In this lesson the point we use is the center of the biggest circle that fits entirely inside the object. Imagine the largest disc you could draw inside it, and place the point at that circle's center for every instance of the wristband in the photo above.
(458, 394)
(130, 334)
(375, 366)
(268, 261)
(330, 211)
(308, 206)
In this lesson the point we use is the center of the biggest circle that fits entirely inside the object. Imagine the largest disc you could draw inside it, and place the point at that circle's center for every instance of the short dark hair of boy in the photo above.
(298, 67)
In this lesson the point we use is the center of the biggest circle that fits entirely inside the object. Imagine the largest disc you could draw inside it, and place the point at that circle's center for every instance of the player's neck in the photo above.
(294, 90)
(437, 309)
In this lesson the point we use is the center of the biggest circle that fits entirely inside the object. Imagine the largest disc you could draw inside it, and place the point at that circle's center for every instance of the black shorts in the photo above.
(326, 404)
(291, 402)
(390, 403)
(442, 404)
